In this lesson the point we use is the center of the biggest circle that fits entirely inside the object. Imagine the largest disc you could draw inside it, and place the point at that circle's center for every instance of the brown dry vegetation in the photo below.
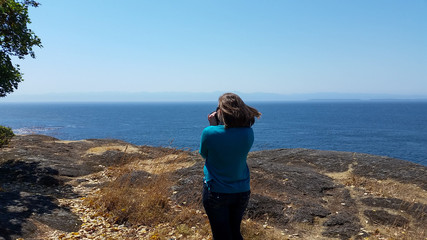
(140, 193)
(360, 187)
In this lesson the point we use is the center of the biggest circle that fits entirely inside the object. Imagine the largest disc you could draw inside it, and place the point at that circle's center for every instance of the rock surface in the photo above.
(306, 193)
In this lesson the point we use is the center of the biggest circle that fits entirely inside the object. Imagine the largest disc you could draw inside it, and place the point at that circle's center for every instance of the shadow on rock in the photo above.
(27, 199)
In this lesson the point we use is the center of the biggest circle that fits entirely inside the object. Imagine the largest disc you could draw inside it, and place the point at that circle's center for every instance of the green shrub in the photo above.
(5, 135)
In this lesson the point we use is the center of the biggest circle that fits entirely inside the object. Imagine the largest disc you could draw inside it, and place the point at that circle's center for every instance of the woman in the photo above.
(225, 145)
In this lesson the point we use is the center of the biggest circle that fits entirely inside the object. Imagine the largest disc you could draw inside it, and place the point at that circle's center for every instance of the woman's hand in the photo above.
(212, 119)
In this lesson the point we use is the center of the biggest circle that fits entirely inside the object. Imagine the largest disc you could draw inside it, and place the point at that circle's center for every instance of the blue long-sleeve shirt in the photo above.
(225, 151)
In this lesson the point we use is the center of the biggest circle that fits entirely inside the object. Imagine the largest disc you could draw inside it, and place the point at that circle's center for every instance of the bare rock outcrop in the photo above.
(312, 193)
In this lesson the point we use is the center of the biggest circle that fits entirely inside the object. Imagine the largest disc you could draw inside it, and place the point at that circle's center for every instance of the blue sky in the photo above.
(280, 46)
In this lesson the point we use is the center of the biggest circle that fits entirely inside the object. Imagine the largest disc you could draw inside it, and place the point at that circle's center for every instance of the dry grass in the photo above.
(388, 188)
(163, 164)
(307, 230)
(124, 202)
(257, 231)
(396, 233)
(148, 200)
(122, 148)
(145, 202)
(191, 223)
(361, 187)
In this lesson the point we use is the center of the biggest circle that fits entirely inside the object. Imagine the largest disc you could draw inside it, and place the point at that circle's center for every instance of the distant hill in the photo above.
(200, 96)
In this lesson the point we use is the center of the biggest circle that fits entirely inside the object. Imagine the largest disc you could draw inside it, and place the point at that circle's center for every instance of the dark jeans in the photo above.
(225, 212)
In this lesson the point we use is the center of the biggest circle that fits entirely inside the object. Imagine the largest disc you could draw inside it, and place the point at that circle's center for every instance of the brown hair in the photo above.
(235, 113)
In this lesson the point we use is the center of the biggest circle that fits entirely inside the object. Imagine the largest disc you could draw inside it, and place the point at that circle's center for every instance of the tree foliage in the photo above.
(5, 135)
(16, 39)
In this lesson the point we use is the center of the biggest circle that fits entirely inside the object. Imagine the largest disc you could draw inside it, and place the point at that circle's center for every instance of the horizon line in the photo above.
(111, 96)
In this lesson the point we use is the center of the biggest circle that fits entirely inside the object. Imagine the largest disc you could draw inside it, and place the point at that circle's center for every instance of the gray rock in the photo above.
(289, 186)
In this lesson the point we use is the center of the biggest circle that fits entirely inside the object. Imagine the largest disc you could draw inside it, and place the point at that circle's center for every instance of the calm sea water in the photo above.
(395, 129)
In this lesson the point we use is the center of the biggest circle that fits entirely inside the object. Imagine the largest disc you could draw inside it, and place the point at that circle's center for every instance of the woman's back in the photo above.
(225, 151)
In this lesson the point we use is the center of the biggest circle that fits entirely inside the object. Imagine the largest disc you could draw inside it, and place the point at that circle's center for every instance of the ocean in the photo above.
(386, 128)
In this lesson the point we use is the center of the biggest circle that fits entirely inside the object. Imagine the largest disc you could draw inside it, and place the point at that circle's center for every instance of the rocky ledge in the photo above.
(296, 193)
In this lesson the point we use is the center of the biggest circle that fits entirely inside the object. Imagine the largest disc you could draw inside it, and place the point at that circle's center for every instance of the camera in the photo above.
(216, 117)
